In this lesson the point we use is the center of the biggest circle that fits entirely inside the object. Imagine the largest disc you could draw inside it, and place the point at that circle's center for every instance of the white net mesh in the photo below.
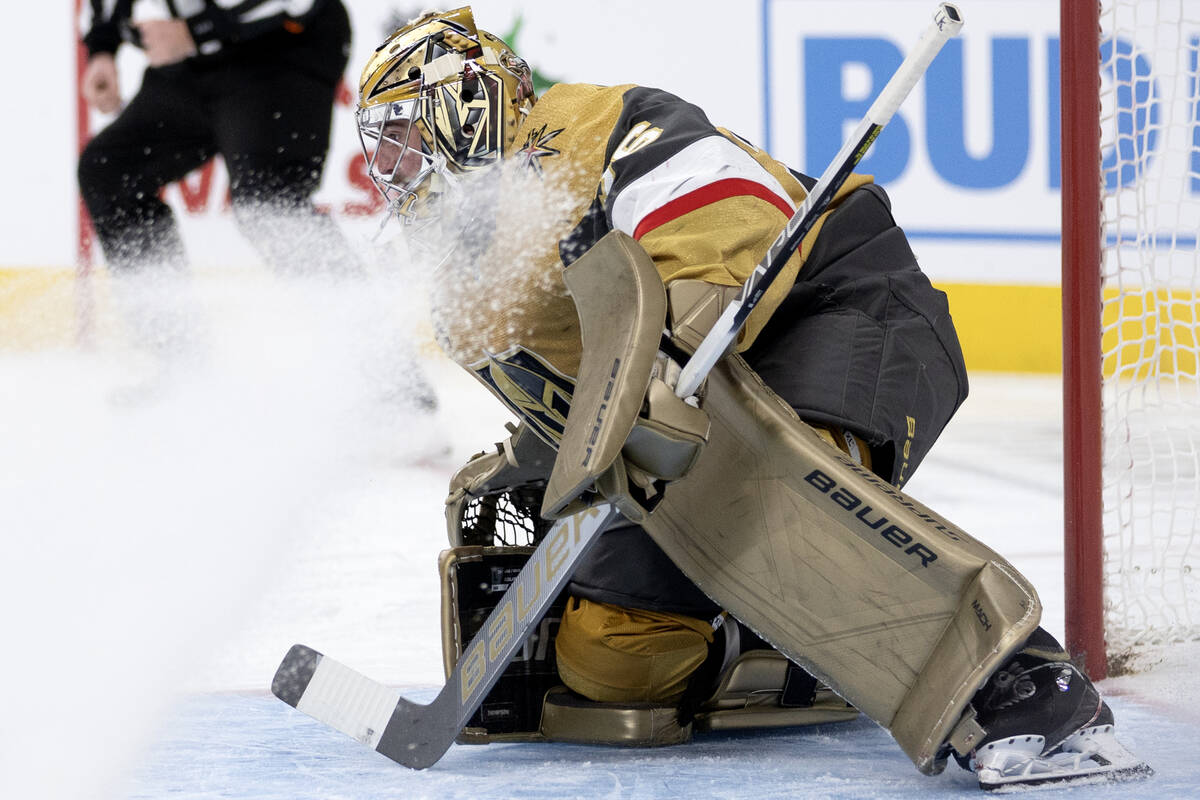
(1150, 136)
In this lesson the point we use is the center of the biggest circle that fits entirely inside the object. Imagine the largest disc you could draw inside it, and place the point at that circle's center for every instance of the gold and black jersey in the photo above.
(705, 204)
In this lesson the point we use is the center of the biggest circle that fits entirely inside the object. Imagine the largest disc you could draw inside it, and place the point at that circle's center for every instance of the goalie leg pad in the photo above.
(756, 690)
(898, 610)
(567, 717)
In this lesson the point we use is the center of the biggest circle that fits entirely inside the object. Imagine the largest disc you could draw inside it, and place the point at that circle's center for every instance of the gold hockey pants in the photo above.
(612, 654)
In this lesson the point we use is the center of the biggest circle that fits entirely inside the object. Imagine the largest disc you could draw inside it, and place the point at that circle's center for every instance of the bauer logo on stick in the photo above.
(515, 614)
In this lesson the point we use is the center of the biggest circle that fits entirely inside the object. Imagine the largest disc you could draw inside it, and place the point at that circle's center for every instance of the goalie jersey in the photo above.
(850, 334)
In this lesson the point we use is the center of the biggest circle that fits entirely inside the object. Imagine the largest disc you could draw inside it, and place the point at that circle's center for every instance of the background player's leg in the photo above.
(272, 127)
(160, 136)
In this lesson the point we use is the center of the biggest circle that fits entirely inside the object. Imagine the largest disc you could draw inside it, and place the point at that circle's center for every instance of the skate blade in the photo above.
(1091, 755)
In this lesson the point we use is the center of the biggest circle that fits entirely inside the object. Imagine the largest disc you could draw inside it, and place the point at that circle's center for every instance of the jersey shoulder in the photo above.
(590, 123)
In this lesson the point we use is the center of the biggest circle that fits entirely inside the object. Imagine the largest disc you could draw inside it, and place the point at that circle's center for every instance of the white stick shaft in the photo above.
(947, 23)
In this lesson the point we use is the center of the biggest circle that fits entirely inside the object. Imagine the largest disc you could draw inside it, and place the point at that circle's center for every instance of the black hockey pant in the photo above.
(270, 126)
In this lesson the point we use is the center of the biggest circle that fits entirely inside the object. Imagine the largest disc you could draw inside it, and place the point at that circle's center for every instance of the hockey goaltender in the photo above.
(764, 569)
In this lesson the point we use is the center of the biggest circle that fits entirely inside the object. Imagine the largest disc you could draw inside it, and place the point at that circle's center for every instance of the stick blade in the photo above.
(332, 693)
(409, 733)
(294, 674)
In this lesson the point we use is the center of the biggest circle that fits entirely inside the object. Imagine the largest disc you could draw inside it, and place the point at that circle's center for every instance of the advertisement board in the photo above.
(971, 161)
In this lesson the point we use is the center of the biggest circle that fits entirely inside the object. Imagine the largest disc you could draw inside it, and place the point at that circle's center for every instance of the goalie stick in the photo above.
(947, 23)
(417, 735)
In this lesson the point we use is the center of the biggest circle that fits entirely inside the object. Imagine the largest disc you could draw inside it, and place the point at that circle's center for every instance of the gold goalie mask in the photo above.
(439, 98)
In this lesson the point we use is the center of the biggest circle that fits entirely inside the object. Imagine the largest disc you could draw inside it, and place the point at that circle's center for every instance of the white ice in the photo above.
(162, 551)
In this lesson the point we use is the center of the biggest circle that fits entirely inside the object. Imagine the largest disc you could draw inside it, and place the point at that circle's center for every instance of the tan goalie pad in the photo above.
(567, 717)
(750, 695)
(901, 612)
(622, 309)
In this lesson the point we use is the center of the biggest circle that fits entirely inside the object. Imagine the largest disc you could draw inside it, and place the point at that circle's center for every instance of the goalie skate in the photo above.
(1090, 755)
(1046, 723)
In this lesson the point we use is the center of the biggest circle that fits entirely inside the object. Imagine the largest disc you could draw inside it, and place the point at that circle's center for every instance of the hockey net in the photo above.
(1131, 275)
(504, 518)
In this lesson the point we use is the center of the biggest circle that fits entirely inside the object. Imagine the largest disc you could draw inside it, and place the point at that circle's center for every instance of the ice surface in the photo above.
(162, 552)
(233, 746)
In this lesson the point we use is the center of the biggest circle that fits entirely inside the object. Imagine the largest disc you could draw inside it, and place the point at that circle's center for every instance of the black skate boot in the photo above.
(1045, 722)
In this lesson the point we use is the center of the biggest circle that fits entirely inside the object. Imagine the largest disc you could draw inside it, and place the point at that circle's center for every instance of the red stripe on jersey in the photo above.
(706, 195)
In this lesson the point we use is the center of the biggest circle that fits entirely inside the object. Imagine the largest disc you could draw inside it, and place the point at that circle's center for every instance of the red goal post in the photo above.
(1081, 303)
(1130, 72)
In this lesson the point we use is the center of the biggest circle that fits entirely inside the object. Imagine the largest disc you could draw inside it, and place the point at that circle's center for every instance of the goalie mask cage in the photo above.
(1131, 278)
